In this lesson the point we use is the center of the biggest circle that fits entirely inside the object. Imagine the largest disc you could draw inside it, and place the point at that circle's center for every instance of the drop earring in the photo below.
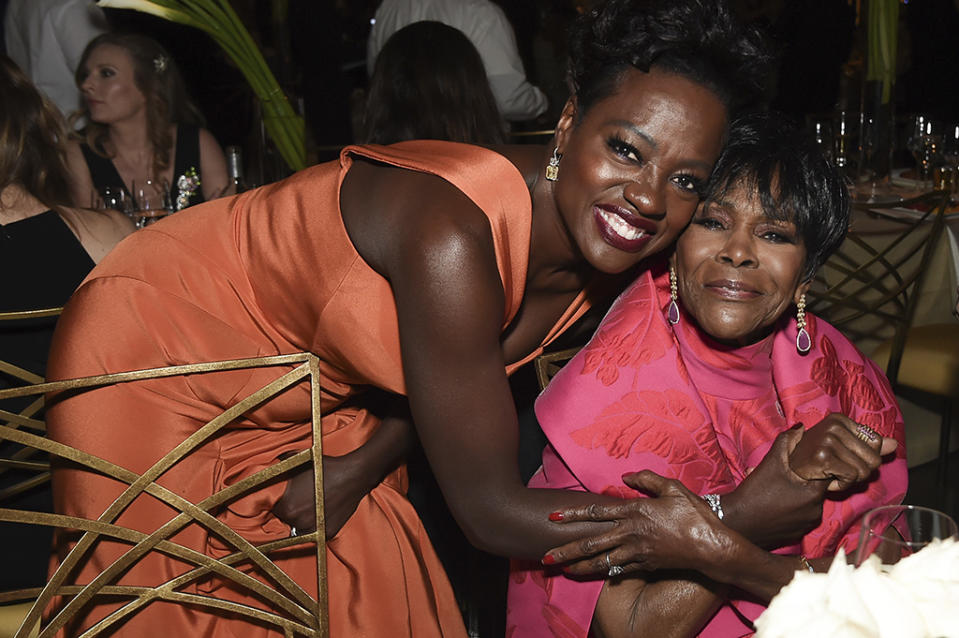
(672, 312)
(552, 169)
(803, 342)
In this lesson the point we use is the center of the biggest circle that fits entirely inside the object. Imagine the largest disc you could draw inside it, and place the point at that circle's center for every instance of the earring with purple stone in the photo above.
(672, 312)
(803, 342)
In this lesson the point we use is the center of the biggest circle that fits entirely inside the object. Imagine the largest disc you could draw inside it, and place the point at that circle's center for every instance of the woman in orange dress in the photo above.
(428, 270)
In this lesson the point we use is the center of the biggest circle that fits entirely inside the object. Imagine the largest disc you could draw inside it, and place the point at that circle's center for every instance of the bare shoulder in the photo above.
(98, 231)
(207, 140)
(393, 215)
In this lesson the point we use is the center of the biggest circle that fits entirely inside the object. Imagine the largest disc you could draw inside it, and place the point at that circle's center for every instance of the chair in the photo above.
(283, 603)
(871, 293)
(549, 363)
(33, 472)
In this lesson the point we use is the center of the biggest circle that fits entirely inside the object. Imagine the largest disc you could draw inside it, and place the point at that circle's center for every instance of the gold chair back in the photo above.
(30, 468)
(548, 364)
(287, 606)
(869, 287)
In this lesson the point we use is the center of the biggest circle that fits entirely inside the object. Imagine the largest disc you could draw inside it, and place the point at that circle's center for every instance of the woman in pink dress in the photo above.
(708, 378)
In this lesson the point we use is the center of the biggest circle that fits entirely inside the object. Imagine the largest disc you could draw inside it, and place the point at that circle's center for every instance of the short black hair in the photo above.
(775, 158)
(697, 39)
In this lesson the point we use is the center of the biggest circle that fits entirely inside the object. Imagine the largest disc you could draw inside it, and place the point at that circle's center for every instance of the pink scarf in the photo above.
(647, 395)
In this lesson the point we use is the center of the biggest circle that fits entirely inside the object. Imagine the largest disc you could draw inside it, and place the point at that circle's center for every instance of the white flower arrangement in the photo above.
(218, 19)
(917, 598)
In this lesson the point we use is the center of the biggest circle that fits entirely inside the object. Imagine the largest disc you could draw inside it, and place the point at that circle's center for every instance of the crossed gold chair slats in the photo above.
(24, 459)
(549, 363)
(289, 608)
(872, 294)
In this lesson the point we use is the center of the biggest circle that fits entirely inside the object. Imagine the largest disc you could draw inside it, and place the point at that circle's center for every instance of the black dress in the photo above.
(184, 191)
(43, 262)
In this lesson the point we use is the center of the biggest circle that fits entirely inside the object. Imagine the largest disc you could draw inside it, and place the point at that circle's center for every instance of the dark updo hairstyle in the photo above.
(31, 139)
(770, 155)
(429, 83)
(696, 39)
(157, 77)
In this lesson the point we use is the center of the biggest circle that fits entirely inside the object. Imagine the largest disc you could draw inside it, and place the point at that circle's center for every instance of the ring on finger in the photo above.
(866, 434)
(612, 570)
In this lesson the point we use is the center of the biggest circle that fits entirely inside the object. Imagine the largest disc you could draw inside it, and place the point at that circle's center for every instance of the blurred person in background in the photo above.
(429, 83)
(142, 126)
(46, 39)
(488, 28)
(46, 249)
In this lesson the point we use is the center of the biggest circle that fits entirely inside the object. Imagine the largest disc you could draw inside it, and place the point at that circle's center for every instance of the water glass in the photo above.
(893, 532)
(114, 197)
(821, 130)
(153, 202)
(845, 142)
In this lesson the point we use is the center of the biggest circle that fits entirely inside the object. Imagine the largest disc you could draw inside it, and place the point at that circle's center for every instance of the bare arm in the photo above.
(348, 478)
(440, 261)
(98, 230)
(828, 456)
(214, 179)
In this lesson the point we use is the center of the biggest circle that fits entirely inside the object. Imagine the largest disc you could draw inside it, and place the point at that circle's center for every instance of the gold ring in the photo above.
(866, 434)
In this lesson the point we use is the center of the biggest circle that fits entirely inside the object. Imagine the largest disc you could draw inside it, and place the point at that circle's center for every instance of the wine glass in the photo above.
(950, 155)
(153, 202)
(821, 130)
(925, 144)
(893, 532)
(114, 197)
(845, 131)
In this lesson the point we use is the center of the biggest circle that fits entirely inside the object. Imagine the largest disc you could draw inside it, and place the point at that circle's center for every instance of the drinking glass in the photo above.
(114, 197)
(893, 532)
(845, 142)
(950, 154)
(153, 202)
(821, 130)
(925, 144)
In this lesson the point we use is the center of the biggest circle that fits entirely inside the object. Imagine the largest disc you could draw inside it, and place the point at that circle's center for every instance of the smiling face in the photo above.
(633, 166)
(108, 85)
(738, 270)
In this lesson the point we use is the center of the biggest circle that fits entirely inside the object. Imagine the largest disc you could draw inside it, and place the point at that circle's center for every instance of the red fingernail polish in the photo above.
(556, 516)
(548, 560)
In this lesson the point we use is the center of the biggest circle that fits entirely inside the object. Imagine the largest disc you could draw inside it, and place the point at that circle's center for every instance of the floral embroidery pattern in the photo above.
(630, 400)
(186, 185)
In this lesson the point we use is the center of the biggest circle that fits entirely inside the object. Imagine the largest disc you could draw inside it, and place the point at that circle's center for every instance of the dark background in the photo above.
(318, 53)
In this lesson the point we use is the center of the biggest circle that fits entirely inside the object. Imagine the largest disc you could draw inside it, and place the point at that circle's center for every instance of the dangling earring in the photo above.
(552, 169)
(672, 312)
(803, 342)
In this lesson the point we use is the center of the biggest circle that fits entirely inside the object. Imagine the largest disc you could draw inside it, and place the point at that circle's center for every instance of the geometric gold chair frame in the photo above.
(549, 363)
(38, 471)
(870, 291)
(290, 608)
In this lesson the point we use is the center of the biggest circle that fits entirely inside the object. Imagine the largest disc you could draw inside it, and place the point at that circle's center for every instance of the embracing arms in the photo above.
(826, 457)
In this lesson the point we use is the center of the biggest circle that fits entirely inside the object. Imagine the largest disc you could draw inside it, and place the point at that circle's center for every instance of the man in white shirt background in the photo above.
(488, 28)
(46, 39)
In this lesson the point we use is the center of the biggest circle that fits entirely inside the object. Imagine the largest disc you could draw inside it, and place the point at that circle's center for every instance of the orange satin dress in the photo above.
(268, 272)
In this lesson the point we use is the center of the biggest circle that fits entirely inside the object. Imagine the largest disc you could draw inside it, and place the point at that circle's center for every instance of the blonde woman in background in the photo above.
(142, 126)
